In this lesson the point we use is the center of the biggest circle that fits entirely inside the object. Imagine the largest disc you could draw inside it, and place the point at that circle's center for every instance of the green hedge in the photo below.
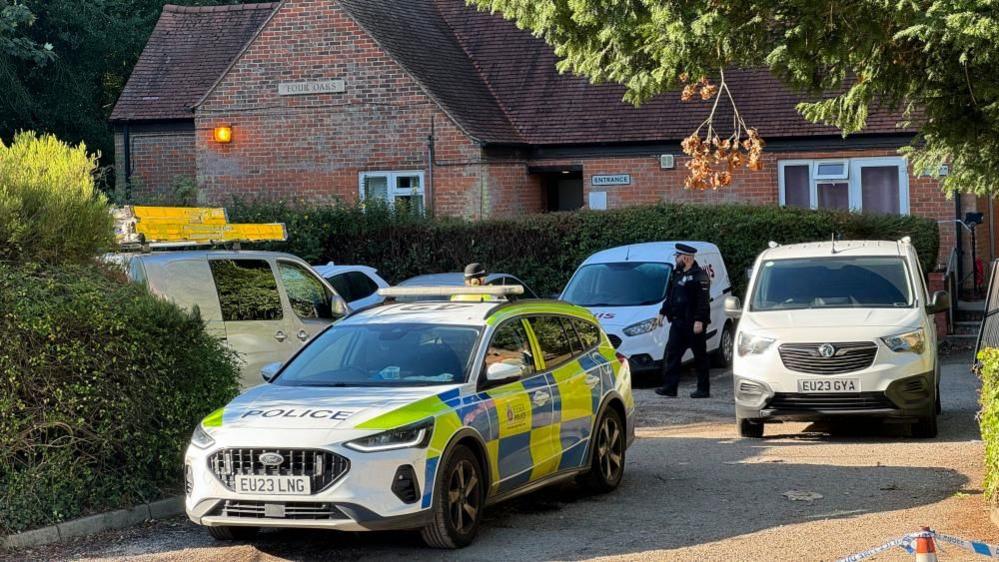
(544, 250)
(988, 419)
(101, 385)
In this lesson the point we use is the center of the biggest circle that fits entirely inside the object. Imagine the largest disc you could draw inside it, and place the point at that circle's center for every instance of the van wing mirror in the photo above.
(733, 307)
(939, 303)
(338, 306)
(269, 371)
(500, 372)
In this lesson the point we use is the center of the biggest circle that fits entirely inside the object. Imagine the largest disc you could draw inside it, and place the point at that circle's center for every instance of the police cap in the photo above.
(474, 270)
(685, 249)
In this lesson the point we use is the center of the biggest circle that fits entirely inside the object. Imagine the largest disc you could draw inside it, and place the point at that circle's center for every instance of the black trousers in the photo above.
(682, 338)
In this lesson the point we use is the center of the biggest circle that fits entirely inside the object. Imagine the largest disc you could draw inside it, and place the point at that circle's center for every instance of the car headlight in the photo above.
(643, 327)
(414, 435)
(750, 344)
(201, 438)
(914, 341)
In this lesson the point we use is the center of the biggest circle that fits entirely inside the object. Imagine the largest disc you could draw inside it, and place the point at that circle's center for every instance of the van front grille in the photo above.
(846, 357)
(279, 510)
(831, 402)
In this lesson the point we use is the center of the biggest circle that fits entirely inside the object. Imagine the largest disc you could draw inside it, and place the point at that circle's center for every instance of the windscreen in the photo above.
(619, 284)
(858, 282)
(384, 355)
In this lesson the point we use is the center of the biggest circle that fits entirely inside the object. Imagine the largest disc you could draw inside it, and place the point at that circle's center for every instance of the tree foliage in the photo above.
(933, 61)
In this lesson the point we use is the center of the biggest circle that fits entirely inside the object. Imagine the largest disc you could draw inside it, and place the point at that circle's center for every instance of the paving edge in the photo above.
(93, 524)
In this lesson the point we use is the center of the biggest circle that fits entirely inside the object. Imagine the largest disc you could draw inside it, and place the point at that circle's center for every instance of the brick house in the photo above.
(433, 104)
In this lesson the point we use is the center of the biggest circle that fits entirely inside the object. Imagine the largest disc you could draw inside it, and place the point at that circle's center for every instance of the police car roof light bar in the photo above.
(447, 291)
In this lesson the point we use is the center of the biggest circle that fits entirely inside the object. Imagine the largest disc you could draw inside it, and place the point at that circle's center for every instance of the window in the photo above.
(589, 335)
(555, 345)
(247, 290)
(399, 190)
(384, 355)
(309, 299)
(619, 284)
(510, 345)
(353, 285)
(869, 185)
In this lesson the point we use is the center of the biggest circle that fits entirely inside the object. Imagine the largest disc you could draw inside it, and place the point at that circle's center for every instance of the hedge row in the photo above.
(988, 419)
(101, 385)
(545, 249)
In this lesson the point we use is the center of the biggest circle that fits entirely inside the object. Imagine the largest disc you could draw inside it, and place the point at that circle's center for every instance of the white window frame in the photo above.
(844, 162)
(393, 191)
(856, 165)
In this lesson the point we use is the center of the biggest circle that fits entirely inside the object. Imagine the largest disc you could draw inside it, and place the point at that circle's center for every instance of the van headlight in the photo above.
(201, 438)
(749, 344)
(414, 435)
(643, 327)
(914, 341)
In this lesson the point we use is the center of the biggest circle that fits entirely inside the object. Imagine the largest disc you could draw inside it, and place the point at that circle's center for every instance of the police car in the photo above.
(417, 416)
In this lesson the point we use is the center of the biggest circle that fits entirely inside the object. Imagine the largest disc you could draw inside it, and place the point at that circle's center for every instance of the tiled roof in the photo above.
(187, 52)
(497, 82)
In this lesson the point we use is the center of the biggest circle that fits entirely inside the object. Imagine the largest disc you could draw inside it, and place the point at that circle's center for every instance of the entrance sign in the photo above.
(615, 179)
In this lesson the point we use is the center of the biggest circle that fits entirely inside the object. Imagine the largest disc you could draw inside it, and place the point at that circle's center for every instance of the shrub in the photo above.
(544, 250)
(988, 419)
(50, 210)
(101, 385)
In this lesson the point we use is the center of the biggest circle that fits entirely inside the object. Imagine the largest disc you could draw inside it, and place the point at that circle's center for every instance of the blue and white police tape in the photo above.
(907, 541)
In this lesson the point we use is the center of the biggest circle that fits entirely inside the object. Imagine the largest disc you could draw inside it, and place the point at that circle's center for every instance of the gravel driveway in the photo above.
(693, 491)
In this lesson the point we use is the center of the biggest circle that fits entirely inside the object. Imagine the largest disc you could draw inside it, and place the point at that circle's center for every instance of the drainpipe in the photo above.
(127, 157)
(959, 238)
(430, 168)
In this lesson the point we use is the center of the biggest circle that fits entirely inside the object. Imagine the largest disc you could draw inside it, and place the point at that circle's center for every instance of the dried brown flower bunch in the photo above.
(714, 160)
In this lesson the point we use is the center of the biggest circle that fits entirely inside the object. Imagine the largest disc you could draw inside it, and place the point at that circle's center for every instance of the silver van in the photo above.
(265, 305)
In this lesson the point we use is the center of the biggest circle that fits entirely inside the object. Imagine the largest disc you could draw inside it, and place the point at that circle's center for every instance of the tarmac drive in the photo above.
(693, 490)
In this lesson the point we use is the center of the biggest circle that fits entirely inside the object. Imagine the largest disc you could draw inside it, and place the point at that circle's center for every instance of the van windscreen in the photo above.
(619, 284)
(857, 282)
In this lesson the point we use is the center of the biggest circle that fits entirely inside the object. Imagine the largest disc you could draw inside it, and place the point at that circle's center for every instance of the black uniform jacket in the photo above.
(688, 298)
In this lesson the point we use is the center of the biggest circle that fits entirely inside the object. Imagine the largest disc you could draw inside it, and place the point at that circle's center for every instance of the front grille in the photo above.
(615, 341)
(831, 402)
(847, 357)
(322, 467)
(271, 510)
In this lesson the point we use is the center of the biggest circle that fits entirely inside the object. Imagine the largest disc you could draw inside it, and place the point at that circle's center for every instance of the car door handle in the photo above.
(280, 335)
(541, 398)
(591, 380)
(303, 335)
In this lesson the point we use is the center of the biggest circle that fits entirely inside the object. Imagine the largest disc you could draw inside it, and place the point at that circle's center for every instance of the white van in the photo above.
(265, 305)
(837, 329)
(625, 287)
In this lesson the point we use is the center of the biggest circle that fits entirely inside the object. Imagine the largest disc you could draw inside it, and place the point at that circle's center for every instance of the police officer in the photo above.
(688, 310)
(475, 276)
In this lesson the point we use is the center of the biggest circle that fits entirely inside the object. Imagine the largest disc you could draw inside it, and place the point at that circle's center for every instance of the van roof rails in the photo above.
(144, 228)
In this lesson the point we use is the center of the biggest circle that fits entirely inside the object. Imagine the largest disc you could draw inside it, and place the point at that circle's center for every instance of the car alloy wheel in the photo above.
(610, 448)
(463, 496)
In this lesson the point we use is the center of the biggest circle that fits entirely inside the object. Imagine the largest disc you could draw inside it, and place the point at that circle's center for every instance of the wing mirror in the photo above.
(503, 372)
(269, 371)
(939, 303)
(733, 307)
(338, 306)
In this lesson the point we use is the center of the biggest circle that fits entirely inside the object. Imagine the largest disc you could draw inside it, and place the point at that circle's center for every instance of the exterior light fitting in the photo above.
(223, 134)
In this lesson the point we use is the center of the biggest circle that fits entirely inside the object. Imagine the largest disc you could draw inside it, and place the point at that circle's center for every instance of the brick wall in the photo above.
(160, 161)
(314, 146)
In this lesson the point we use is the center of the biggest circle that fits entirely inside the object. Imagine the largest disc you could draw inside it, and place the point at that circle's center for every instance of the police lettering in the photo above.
(336, 415)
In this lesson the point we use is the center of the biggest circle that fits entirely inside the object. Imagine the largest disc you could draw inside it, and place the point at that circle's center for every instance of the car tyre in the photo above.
(722, 357)
(939, 406)
(459, 498)
(233, 533)
(750, 428)
(608, 457)
(925, 428)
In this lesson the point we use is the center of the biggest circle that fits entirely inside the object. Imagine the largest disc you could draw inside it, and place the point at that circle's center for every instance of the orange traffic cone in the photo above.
(926, 549)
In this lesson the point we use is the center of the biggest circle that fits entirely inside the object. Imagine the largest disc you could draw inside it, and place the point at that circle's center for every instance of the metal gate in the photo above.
(988, 334)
